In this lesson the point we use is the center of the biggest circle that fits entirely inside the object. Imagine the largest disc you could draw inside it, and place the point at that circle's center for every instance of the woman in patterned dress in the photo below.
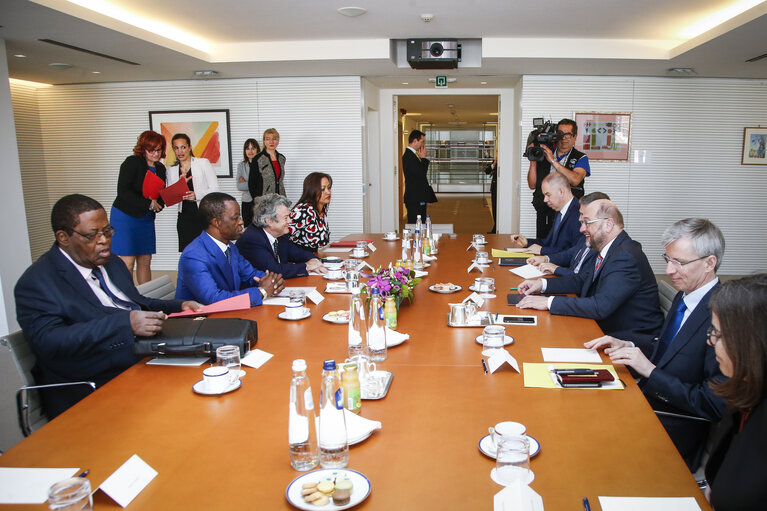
(309, 226)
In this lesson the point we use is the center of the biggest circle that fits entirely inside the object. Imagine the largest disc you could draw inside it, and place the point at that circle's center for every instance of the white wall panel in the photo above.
(693, 131)
(88, 130)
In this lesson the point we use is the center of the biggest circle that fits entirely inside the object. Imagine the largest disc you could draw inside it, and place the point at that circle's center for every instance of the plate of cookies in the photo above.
(340, 317)
(328, 488)
(448, 287)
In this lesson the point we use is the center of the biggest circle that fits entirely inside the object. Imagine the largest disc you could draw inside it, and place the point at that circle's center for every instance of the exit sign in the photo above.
(441, 82)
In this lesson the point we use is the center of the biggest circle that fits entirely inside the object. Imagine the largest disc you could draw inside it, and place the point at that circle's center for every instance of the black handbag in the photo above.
(198, 337)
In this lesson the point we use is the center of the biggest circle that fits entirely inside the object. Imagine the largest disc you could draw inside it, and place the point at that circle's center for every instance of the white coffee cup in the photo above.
(294, 310)
(358, 252)
(507, 428)
(216, 378)
(335, 274)
(390, 235)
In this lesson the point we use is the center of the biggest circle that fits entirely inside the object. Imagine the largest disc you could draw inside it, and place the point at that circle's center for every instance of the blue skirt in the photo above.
(133, 236)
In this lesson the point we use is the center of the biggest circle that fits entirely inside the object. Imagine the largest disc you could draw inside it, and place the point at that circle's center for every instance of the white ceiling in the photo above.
(309, 38)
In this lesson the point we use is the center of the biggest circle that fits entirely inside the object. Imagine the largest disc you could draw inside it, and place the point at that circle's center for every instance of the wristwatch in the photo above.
(263, 292)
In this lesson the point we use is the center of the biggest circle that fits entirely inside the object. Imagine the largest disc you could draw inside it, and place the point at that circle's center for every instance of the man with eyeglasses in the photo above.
(619, 290)
(79, 308)
(676, 367)
(565, 159)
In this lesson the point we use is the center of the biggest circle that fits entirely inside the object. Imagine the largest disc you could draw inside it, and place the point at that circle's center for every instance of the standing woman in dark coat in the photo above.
(737, 469)
(267, 169)
(133, 212)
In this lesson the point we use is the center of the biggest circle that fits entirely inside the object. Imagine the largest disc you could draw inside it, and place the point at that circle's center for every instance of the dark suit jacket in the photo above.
(679, 382)
(736, 469)
(566, 234)
(130, 199)
(206, 276)
(416, 184)
(255, 247)
(74, 336)
(623, 298)
(567, 260)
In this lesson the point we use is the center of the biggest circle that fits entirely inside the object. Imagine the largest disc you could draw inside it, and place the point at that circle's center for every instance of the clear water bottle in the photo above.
(418, 224)
(334, 449)
(417, 251)
(302, 437)
(358, 325)
(428, 227)
(427, 236)
(376, 328)
(405, 255)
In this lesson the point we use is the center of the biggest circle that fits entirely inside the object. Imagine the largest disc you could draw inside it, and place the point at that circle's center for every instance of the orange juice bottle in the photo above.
(350, 385)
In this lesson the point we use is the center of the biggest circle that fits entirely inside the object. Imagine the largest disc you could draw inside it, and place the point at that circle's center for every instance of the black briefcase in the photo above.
(198, 337)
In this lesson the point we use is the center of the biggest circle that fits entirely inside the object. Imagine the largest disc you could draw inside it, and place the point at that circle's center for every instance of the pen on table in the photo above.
(484, 366)
(513, 289)
(586, 506)
(85, 472)
(574, 371)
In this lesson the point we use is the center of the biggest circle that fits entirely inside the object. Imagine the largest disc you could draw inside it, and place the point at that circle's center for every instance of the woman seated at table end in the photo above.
(309, 226)
(737, 469)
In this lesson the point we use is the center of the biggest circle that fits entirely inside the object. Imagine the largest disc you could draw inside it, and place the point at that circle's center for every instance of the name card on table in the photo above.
(500, 357)
(315, 296)
(371, 247)
(474, 297)
(128, 481)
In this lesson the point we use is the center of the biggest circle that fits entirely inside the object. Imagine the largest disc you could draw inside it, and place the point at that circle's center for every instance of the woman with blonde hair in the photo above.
(267, 169)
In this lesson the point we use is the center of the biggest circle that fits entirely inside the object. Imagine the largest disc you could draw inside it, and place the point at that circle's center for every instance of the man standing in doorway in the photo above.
(414, 166)
(566, 160)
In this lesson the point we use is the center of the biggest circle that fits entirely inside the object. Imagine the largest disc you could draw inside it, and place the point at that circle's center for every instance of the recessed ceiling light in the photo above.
(20, 56)
(60, 65)
(405, 83)
(483, 83)
(96, 72)
(352, 12)
(682, 70)
(206, 72)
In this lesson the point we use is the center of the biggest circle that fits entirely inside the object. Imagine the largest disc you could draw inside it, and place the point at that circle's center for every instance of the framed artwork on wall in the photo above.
(207, 129)
(604, 136)
(754, 142)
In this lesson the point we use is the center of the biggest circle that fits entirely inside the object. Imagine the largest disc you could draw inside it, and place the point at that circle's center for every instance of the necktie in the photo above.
(276, 252)
(557, 222)
(117, 301)
(672, 327)
(228, 254)
(597, 265)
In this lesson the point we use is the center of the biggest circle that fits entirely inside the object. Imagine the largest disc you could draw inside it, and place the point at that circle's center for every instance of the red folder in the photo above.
(175, 192)
(152, 185)
(236, 303)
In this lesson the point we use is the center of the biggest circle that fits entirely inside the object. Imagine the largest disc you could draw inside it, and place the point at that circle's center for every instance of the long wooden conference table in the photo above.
(231, 451)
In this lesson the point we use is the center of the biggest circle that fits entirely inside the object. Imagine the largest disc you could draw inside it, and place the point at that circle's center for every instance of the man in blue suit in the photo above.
(573, 259)
(677, 367)
(565, 231)
(211, 268)
(79, 308)
(266, 242)
(619, 291)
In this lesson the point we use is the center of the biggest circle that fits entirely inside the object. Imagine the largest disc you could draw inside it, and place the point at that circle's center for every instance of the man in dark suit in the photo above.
(619, 291)
(677, 367)
(566, 229)
(266, 242)
(79, 309)
(211, 268)
(573, 259)
(414, 167)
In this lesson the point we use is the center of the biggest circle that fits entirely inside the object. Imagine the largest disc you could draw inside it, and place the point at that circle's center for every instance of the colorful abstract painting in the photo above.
(754, 146)
(208, 131)
(603, 136)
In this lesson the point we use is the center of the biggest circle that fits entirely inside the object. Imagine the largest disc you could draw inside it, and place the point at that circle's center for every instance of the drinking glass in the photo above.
(73, 494)
(513, 460)
(229, 356)
(492, 338)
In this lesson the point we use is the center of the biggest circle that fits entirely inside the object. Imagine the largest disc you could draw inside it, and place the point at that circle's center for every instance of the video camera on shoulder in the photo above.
(544, 134)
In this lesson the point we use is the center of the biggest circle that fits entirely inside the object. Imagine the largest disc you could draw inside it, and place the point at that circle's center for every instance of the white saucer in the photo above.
(325, 276)
(351, 254)
(201, 388)
(506, 339)
(530, 477)
(390, 239)
(360, 491)
(337, 321)
(472, 288)
(487, 448)
(283, 315)
(454, 289)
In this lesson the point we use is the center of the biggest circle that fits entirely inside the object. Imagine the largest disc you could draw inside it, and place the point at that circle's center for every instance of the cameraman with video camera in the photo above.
(550, 150)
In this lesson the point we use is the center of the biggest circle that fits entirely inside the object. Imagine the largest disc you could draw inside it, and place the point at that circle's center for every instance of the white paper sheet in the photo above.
(256, 358)
(517, 497)
(419, 273)
(517, 250)
(30, 485)
(648, 504)
(580, 355)
(128, 481)
(178, 361)
(527, 271)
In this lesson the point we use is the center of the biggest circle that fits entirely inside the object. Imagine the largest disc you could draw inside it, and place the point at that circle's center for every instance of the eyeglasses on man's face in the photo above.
(679, 264)
(107, 232)
(589, 222)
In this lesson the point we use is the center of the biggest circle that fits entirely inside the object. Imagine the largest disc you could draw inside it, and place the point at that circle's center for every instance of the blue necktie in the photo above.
(557, 221)
(672, 327)
(118, 301)
(276, 252)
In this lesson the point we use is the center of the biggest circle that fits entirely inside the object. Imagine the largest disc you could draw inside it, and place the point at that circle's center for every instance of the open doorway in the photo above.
(461, 135)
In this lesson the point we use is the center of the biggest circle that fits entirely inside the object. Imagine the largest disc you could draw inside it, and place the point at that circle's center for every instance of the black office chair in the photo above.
(28, 404)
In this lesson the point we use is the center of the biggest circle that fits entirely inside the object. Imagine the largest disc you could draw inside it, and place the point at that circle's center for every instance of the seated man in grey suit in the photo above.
(677, 368)
(619, 291)
(564, 233)
(571, 260)
(266, 242)
(78, 306)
